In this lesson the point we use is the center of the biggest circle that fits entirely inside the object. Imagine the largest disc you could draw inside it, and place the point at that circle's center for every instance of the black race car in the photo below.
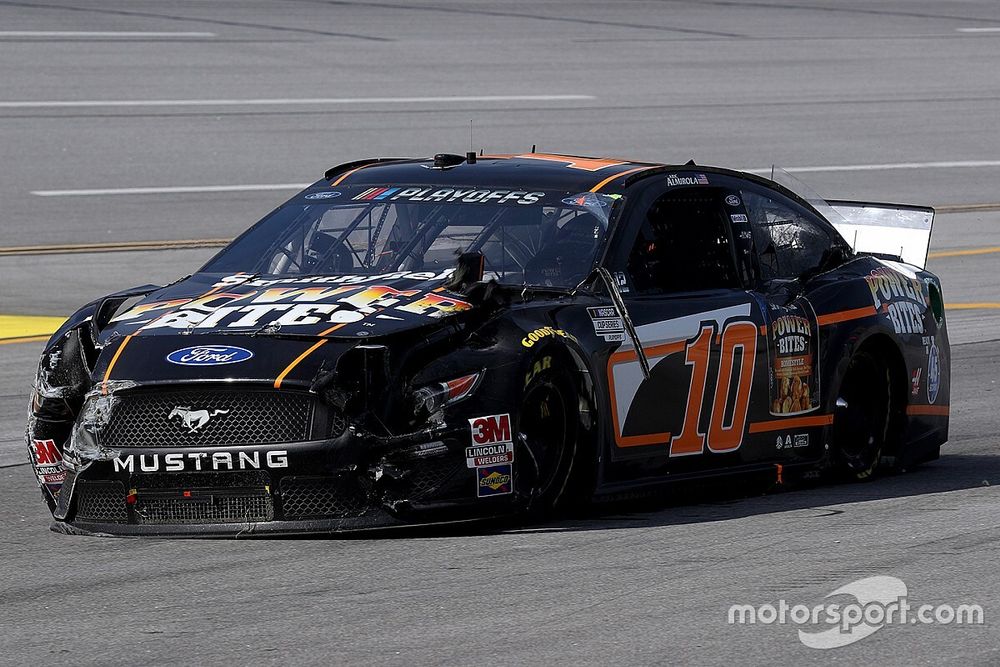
(431, 340)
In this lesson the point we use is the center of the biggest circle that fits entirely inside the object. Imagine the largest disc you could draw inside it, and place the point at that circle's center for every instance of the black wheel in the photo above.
(861, 417)
(548, 425)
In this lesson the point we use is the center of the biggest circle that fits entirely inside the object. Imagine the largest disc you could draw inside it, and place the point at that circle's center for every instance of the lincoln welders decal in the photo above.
(794, 371)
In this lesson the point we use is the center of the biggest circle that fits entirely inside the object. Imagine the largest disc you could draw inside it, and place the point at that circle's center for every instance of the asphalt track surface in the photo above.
(835, 86)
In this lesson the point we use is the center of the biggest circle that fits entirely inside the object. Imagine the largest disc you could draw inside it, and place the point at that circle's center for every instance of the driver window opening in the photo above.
(684, 245)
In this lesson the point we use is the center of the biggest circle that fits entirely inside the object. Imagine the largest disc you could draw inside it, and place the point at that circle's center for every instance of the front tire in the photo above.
(548, 428)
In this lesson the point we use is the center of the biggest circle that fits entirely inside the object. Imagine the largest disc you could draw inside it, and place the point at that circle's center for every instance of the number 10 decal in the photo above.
(721, 436)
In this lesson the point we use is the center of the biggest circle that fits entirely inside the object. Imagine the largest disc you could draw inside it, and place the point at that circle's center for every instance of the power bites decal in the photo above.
(450, 195)
(290, 306)
(794, 372)
(898, 294)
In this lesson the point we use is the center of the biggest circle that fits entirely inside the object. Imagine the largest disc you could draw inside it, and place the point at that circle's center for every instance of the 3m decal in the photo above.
(490, 429)
(45, 453)
(697, 179)
(900, 297)
(488, 455)
(494, 480)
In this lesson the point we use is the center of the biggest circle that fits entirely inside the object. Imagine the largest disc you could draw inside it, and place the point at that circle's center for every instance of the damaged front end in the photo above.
(374, 436)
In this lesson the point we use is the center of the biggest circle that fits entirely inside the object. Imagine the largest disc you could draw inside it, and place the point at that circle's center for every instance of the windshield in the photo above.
(538, 238)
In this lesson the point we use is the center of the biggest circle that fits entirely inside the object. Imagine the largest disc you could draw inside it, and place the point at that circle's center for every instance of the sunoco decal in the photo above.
(209, 355)
(494, 481)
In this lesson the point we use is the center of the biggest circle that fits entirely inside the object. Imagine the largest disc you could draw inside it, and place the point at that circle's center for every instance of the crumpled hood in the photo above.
(327, 306)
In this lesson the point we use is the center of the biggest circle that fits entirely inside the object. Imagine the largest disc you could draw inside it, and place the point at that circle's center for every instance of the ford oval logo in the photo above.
(209, 355)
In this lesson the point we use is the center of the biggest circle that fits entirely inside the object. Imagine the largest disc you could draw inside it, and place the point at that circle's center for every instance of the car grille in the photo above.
(101, 501)
(235, 417)
(238, 497)
(309, 497)
(430, 475)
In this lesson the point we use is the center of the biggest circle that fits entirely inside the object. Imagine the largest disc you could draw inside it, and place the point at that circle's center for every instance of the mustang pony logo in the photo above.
(193, 420)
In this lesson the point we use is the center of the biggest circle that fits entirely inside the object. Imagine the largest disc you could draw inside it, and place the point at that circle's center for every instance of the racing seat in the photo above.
(565, 259)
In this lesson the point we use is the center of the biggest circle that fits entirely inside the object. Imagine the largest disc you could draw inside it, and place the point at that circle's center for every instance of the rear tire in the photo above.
(862, 417)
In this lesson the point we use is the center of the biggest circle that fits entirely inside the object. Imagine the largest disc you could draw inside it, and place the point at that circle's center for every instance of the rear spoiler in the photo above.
(890, 229)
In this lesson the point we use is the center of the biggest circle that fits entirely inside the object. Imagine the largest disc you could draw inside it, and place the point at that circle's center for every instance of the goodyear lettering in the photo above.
(539, 334)
(543, 364)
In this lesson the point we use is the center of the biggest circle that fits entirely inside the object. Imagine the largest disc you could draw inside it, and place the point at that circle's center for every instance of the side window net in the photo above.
(683, 245)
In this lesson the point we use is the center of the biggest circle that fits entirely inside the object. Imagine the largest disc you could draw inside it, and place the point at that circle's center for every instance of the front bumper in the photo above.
(348, 483)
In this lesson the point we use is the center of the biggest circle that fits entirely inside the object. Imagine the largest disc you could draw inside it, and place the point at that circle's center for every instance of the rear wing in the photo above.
(890, 229)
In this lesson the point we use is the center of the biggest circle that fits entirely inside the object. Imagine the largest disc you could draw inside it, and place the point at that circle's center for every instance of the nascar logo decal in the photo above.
(209, 355)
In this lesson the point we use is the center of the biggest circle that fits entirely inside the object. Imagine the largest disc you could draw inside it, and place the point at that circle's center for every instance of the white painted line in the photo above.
(883, 167)
(299, 186)
(977, 29)
(55, 104)
(104, 34)
(170, 190)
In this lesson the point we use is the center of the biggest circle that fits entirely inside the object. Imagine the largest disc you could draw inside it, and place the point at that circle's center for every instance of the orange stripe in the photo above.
(298, 359)
(936, 410)
(346, 174)
(114, 360)
(607, 180)
(845, 315)
(797, 422)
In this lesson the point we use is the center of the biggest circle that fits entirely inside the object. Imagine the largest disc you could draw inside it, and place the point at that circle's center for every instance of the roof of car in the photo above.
(528, 171)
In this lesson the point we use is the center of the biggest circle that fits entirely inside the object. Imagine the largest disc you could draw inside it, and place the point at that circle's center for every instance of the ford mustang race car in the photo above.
(460, 337)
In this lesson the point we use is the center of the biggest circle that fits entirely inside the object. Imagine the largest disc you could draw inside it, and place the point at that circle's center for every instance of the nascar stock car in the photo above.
(459, 337)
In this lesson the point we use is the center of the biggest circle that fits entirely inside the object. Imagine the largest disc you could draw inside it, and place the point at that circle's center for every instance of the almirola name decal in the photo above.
(291, 307)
